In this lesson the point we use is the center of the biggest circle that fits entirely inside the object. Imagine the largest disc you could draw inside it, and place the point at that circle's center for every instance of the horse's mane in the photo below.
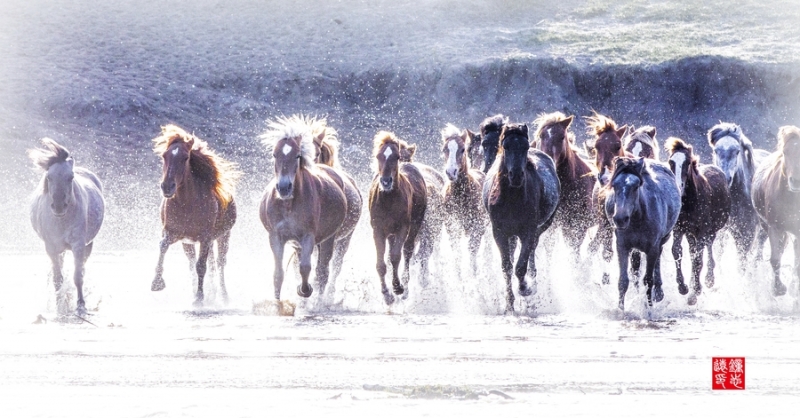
(493, 124)
(52, 153)
(205, 164)
(300, 127)
(723, 129)
(642, 135)
(786, 134)
(450, 131)
(598, 124)
(328, 142)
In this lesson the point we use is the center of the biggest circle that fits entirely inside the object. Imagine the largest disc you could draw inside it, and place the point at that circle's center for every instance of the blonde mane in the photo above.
(299, 128)
(220, 175)
(327, 140)
(598, 124)
(450, 131)
(546, 119)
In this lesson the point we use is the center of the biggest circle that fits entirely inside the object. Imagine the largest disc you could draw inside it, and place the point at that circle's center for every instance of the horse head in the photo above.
(552, 135)
(626, 182)
(729, 149)
(607, 144)
(490, 139)
(515, 145)
(453, 147)
(387, 155)
(57, 183)
(474, 150)
(681, 161)
(789, 145)
(175, 165)
(642, 142)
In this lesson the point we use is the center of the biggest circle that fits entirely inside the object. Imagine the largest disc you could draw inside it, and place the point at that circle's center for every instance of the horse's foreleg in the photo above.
(79, 252)
(711, 263)
(622, 258)
(636, 264)
(503, 243)
(277, 245)
(396, 247)
(223, 243)
(526, 262)
(57, 262)
(653, 286)
(202, 266)
(380, 265)
(191, 255)
(323, 263)
(306, 250)
(797, 269)
(454, 231)
(475, 235)
(777, 243)
(696, 253)
(677, 254)
(158, 282)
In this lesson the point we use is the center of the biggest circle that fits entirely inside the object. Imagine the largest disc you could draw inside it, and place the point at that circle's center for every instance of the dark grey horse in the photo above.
(642, 203)
(67, 212)
(521, 196)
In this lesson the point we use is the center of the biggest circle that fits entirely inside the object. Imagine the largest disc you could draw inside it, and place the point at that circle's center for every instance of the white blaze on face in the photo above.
(388, 152)
(452, 164)
(678, 159)
(637, 149)
(287, 149)
(605, 175)
(175, 151)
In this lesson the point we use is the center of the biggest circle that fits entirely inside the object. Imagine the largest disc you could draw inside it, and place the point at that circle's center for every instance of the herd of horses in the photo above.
(500, 177)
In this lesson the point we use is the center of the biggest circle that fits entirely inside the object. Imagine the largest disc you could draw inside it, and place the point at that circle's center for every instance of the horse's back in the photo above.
(545, 168)
(352, 196)
(663, 187)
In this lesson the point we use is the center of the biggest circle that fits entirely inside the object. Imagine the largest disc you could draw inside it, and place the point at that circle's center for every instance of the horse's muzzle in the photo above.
(386, 183)
(452, 173)
(515, 178)
(285, 190)
(168, 190)
(58, 210)
(622, 222)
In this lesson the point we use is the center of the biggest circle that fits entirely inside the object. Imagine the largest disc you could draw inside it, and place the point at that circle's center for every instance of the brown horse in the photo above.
(462, 195)
(705, 207)
(307, 204)
(642, 142)
(474, 150)
(605, 147)
(574, 214)
(776, 198)
(398, 206)
(198, 205)
(326, 144)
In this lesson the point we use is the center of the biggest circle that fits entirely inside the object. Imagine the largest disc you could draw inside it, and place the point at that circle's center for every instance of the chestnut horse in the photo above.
(198, 205)
(398, 208)
(307, 204)
(776, 198)
(66, 213)
(462, 195)
(574, 214)
(642, 203)
(326, 144)
(642, 142)
(521, 197)
(705, 206)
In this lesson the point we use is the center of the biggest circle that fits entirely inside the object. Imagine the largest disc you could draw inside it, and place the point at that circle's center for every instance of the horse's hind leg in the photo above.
(797, 269)
(223, 243)
(191, 255)
(677, 254)
(323, 263)
(339, 250)
(696, 253)
(158, 282)
(777, 243)
(711, 263)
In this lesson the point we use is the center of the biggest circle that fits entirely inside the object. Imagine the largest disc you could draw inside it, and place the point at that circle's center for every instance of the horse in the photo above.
(491, 128)
(66, 212)
(705, 207)
(462, 194)
(307, 204)
(605, 147)
(521, 197)
(642, 142)
(399, 200)
(735, 156)
(326, 144)
(577, 179)
(198, 204)
(642, 203)
(474, 150)
(776, 199)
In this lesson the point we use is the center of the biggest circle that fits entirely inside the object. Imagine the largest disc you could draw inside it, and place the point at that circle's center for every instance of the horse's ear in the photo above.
(465, 135)
(651, 132)
(71, 162)
(412, 149)
(524, 129)
(568, 121)
(621, 131)
(190, 143)
(319, 137)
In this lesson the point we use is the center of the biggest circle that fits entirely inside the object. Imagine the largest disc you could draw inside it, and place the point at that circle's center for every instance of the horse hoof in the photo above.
(683, 289)
(621, 306)
(198, 303)
(81, 311)
(692, 300)
(606, 278)
(304, 291)
(525, 291)
(398, 289)
(709, 282)
(388, 298)
(658, 294)
(778, 289)
(158, 285)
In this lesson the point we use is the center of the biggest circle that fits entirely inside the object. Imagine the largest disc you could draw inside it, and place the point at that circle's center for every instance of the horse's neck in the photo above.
(742, 179)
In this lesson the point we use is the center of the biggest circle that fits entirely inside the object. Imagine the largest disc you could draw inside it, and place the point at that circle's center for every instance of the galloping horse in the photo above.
(521, 197)
(735, 156)
(474, 150)
(66, 212)
(574, 214)
(491, 128)
(776, 198)
(462, 195)
(307, 204)
(198, 205)
(705, 207)
(398, 206)
(642, 142)
(642, 203)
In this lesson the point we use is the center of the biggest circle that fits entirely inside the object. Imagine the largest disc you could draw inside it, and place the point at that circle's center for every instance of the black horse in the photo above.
(491, 128)
(642, 204)
(521, 197)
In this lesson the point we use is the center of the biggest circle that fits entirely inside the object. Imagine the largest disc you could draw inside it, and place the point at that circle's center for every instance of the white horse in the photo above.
(66, 212)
